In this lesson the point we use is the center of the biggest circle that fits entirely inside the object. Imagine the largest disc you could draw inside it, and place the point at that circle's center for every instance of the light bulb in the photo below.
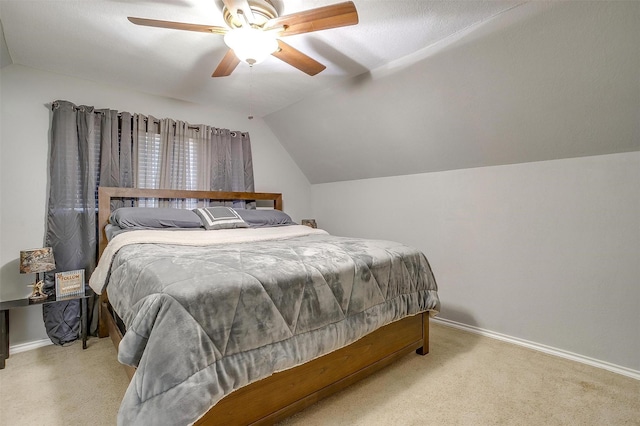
(251, 45)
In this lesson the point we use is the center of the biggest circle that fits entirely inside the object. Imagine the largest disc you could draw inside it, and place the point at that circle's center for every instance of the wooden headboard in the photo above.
(106, 194)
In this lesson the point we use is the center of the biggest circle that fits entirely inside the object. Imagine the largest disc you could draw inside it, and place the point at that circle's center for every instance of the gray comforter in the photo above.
(203, 321)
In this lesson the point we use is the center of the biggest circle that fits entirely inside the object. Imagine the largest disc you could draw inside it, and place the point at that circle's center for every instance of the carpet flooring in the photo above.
(466, 380)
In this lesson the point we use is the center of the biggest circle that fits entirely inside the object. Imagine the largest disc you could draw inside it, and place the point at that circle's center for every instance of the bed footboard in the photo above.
(309, 383)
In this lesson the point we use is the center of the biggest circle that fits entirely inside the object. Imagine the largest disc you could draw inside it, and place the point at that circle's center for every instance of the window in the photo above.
(184, 168)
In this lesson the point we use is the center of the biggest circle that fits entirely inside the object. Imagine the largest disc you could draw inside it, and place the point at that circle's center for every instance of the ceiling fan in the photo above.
(255, 28)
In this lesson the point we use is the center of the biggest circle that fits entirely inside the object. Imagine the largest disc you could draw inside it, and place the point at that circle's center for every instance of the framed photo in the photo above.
(70, 283)
(310, 222)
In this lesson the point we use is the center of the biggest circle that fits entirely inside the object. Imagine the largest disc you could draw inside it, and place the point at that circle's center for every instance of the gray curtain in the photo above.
(233, 167)
(91, 148)
(87, 148)
(197, 157)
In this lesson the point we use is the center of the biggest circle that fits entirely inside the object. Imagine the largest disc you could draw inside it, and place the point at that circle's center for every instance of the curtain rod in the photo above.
(196, 128)
(55, 105)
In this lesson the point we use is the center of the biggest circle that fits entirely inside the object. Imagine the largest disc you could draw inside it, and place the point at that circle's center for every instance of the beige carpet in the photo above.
(465, 380)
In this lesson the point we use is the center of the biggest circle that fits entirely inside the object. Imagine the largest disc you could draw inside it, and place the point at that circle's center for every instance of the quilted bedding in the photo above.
(204, 319)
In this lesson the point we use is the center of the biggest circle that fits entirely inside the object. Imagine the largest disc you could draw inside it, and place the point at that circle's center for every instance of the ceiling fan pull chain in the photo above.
(250, 92)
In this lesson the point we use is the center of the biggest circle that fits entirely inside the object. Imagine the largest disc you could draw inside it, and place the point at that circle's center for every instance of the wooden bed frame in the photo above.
(285, 393)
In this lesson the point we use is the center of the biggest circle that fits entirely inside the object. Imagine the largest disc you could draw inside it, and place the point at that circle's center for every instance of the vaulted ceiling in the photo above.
(417, 86)
(544, 81)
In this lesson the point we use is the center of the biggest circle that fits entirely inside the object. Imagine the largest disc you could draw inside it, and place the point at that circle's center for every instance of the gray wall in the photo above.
(24, 132)
(547, 252)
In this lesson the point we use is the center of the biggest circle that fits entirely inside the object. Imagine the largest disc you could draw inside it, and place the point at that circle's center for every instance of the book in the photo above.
(70, 283)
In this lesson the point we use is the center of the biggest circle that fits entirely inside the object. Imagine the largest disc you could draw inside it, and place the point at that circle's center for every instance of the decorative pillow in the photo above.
(220, 218)
(149, 217)
(260, 218)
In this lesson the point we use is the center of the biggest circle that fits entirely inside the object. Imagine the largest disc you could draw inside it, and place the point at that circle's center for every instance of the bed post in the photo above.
(425, 335)
(104, 210)
(103, 329)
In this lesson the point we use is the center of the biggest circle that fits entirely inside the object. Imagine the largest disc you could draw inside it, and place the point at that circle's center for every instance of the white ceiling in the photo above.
(93, 40)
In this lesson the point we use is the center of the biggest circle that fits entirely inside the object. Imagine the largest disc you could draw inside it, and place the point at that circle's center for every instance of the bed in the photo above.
(290, 339)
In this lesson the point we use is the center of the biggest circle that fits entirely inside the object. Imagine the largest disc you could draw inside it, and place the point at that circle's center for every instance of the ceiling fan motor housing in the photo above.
(263, 11)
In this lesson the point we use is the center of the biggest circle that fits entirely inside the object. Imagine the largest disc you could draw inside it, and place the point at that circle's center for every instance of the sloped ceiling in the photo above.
(547, 80)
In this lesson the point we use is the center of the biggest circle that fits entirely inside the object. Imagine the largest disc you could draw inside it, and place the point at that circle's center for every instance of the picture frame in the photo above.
(309, 222)
(70, 283)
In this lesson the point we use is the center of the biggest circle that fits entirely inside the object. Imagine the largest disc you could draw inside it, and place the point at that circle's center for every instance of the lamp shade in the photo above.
(251, 45)
(37, 260)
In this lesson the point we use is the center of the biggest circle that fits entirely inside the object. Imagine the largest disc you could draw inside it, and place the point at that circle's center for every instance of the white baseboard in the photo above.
(23, 347)
(634, 374)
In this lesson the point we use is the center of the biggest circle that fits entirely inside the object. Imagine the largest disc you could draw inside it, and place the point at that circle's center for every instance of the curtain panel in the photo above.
(178, 155)
(85, 148)
(101, 147)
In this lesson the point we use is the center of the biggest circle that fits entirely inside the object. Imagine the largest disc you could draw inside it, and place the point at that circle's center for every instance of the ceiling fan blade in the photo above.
(178, 25)
(297, 59)
(227, 65)
(322, 18)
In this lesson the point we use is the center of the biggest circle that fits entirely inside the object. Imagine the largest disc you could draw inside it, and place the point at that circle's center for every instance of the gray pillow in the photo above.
(220, 218)
(147, 217)
(260, 218)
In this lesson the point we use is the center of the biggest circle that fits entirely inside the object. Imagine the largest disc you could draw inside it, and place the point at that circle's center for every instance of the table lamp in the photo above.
(36, 261)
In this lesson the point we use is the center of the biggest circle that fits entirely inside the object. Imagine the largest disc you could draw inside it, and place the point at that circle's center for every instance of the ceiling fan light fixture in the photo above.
(251, 45)
(255, 28)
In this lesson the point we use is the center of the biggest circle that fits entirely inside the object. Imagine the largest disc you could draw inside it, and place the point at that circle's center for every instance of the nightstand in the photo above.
(5, 306)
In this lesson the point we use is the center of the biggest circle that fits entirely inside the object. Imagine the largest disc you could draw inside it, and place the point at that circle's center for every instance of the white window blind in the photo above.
(183, 170)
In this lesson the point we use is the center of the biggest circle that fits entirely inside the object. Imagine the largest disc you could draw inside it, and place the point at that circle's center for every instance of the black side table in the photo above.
(5, 306)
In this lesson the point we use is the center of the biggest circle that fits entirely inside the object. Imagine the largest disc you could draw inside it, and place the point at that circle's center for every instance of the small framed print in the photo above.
(310, 222)
(70, 283)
